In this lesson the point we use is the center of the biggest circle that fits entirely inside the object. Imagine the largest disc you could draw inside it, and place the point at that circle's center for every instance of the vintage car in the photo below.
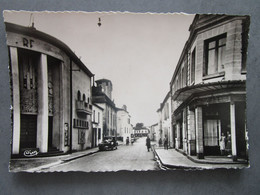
(109, 143)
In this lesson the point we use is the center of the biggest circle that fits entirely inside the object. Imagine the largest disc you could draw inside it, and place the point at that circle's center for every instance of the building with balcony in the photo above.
(208, 88)
(102, 96)
(51, 94)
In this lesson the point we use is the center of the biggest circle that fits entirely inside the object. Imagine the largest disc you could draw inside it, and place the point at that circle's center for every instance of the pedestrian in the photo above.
(148, 143)
(127, 140)
(222, 144)
(160, 142)
(228, 145)
(165, 142)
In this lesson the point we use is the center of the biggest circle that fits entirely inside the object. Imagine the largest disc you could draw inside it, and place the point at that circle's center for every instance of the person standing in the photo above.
(165, 143)
(148, 143)
(222, 144)
(160, 142)
(228, 146)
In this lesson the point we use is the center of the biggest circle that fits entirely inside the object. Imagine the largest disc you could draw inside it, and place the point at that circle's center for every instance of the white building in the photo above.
(155, 133)
(97, 125)
(165, 120)
(124, 127)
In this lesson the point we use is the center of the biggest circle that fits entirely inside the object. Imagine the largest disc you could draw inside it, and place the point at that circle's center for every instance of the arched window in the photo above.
(84, 97)
(88, 99)
(79, 95)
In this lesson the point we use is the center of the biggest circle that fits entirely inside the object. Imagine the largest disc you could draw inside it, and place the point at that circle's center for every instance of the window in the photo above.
(84, 97)
(98, 117)
(192, 68)
(94, 115)
(79, 95)
(211, 132)
(214, 54)
(99, 133)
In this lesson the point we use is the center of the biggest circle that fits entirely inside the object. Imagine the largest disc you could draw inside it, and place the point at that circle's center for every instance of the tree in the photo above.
(139, 126)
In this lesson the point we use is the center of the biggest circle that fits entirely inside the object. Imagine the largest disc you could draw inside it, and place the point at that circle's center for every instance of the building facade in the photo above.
(165, 120)
(124, 127)
(51, 108)
(154, 133)
(208, 87)
(102, 96)
(97, 125)
(141, 132)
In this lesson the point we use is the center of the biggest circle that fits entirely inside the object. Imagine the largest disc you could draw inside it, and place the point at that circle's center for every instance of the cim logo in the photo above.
(30, 153)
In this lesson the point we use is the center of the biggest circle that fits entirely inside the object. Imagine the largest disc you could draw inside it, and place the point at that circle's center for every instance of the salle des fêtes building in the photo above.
(51, 94)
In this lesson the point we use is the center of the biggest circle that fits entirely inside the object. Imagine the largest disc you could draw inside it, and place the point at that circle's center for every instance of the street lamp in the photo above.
(99, 22)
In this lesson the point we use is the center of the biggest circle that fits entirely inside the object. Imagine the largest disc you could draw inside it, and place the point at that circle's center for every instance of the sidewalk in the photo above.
(34, 164)
(172, 159)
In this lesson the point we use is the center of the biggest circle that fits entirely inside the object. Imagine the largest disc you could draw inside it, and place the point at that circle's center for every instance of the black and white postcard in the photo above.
(111, 91)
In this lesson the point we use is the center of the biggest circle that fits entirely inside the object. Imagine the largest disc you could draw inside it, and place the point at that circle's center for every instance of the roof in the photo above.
(103, 80)
(31, 31)
(121, 109)
(98, 106)
(164, 101)
(154, 124)
(99, 97)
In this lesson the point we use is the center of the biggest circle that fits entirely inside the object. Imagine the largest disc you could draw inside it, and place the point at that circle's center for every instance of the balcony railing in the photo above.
(83, 107)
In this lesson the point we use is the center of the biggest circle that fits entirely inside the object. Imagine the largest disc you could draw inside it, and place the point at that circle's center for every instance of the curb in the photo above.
(208, 162)
(80, 156)
(59, 162)
(170, 166)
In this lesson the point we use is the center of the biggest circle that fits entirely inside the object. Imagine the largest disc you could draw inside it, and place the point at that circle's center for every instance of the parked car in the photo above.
(109, 143)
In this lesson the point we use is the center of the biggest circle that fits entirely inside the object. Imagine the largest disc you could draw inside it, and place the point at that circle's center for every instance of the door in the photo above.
(50, 132)
(211, 137)
(28, 131)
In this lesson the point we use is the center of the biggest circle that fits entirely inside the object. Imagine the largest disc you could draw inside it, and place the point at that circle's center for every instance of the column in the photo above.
(191, 132)
(16, 100)
(184, 137)
(233, 130)
(199, 132)
(178, 136)
(42, 118)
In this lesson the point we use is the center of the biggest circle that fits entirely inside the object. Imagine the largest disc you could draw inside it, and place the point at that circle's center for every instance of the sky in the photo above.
(138, 52)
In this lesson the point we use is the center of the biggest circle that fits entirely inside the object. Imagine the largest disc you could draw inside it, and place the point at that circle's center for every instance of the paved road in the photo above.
(131, 157)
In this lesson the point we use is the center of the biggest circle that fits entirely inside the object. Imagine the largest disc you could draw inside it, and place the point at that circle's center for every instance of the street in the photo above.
(131, 157)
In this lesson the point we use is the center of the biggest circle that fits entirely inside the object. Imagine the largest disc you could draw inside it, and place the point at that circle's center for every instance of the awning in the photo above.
(186, 92)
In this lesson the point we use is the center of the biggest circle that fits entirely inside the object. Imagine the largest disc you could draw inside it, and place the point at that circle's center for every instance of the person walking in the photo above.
(127, 141)
(222, 144)
(148, 143)
(165, 143)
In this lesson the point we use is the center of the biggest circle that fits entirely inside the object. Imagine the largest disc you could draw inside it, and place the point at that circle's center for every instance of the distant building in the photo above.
(97, 123)
(154, 133)
(208, 87)
(51, 94)
(141, 132)
(165, 120)
(124, 127)
(102, 96)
